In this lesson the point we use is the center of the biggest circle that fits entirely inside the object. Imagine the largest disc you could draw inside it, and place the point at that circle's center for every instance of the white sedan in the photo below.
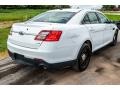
(62, 37)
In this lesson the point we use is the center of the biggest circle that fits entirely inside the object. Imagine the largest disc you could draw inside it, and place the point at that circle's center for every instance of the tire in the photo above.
(83, 58)
(114, 42)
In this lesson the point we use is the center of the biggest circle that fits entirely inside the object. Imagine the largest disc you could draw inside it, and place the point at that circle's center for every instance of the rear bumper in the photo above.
(48, 55)
(38, 62)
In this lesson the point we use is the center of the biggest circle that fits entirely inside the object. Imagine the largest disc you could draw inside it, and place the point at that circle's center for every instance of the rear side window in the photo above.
(86, 20)
(102, 18)
(93, 18)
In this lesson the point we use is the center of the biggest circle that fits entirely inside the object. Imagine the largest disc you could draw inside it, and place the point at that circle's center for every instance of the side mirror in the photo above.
(118, 24)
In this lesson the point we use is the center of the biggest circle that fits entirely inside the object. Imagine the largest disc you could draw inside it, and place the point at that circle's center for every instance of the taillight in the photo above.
(48, 35)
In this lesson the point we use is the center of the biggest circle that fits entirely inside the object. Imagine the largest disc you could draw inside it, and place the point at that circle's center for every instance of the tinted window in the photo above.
(54, 17)
(102, 18)
(86, 20)
(93, 18)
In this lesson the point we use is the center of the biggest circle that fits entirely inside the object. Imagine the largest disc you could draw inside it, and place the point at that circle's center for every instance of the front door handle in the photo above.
(92, 30)
(113, 28)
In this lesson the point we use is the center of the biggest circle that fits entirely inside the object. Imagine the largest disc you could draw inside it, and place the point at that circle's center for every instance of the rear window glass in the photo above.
(86, 20)
(54, 17)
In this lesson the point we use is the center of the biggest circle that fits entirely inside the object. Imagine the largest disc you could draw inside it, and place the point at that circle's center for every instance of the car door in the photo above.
(95, 29)
(107, 30)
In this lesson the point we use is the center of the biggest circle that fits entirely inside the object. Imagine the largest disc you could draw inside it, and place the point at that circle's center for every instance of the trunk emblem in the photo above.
(21, 33)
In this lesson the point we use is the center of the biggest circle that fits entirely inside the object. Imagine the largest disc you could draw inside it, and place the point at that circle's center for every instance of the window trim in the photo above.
(99, 17)
(88, 17)
(84, 18)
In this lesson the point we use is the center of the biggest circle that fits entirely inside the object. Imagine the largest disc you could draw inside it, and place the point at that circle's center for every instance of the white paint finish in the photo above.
(73, 36)
(119, 37)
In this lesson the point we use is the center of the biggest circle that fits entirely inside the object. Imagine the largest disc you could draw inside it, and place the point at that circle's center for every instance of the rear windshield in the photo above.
(53, 17)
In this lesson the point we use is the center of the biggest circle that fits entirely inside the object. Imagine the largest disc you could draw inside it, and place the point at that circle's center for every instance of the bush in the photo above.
(33, 6)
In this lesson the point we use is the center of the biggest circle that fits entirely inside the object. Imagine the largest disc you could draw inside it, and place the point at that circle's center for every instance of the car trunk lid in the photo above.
(23, 34)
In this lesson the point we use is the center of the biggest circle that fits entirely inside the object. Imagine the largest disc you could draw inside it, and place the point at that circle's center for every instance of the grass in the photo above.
(111, 11)
(3, 38)
(113, 17)
(22, 15)
(14, 15)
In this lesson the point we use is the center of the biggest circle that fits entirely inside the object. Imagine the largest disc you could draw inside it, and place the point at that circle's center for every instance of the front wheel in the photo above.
(83, 58)
(114, 42)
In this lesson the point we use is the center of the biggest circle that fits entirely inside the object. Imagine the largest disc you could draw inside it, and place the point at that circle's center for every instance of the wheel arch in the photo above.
(88, 42)
(85, 41)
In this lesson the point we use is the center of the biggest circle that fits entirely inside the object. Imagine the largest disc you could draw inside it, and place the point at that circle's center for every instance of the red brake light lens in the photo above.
(48, 35)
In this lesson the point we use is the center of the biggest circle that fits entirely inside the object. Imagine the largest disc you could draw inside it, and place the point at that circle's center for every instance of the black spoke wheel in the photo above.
(83, 58)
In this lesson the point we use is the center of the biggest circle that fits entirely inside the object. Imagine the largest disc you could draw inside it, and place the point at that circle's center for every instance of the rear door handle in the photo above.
(92, 30)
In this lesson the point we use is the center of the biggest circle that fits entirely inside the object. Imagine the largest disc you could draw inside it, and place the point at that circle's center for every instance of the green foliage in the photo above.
(108, 7)
(3, 39)
(22, 14)
(33, 6)
(119, 6)
(113, 17)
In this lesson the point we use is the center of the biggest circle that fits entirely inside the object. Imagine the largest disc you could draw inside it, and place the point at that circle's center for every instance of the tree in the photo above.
(108, 7)
(33, 6)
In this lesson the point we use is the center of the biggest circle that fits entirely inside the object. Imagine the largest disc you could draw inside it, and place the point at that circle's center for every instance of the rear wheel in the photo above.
(83, 58)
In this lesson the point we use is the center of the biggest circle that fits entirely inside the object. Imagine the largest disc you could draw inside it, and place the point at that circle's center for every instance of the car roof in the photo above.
(72, 10)
(68, 10)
